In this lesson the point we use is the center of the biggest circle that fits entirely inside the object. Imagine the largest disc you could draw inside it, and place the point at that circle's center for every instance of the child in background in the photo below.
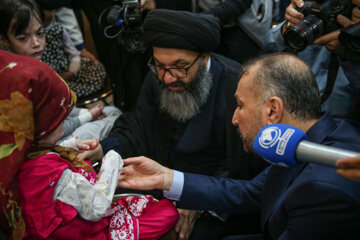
(21, 30)
(82, 75)
(60, 195)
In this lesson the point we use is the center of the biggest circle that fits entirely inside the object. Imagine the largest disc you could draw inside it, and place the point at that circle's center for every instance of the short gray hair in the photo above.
(289, 78)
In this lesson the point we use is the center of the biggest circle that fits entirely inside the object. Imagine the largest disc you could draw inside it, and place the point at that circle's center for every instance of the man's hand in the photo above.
(93, 155)
(350, 168)
(142, 173)
(186, 223)
(331, 40)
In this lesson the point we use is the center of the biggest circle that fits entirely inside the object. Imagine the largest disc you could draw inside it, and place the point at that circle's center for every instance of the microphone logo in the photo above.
(272, 136)
(280, 150)
(269, 137)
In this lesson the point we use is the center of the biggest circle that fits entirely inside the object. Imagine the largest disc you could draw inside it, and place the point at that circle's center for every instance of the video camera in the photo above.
(320, 19)
(126, 23)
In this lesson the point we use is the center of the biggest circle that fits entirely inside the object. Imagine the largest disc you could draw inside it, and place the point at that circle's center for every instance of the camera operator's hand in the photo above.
(292, 16)
(356, 11)
(331, 40)
(147, 5)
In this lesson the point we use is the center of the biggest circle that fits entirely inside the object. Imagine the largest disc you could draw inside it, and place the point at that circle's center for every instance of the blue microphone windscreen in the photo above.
(277, 143)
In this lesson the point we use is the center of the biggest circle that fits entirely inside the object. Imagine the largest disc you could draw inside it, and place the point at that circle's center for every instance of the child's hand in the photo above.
(99, 174)
(92, 155)
(86, 54)
(67, 76)
(97, 113)
(85, 145)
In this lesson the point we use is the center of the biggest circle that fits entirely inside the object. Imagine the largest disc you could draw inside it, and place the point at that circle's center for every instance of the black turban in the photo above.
(182, 30)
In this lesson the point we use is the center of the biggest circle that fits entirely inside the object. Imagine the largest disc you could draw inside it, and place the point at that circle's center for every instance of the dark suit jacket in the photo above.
(308, 201)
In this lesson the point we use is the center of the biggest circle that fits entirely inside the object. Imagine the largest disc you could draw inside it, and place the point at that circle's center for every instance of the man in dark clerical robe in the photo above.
(183, 115)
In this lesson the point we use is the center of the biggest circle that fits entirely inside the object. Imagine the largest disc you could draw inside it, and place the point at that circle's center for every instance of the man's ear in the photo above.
(273, 110)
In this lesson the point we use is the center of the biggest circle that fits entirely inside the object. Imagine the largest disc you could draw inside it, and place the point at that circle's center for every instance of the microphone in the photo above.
(286, 146)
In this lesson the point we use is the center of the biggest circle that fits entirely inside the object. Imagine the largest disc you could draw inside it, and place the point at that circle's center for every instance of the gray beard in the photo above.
(183, 105)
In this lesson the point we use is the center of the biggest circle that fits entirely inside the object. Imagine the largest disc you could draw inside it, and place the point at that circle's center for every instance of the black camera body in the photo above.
(320, 19)
(126, 24)
(133, 14)
(350, 39)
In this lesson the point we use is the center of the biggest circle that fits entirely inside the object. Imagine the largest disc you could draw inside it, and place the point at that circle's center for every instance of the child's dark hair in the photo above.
(19, 11)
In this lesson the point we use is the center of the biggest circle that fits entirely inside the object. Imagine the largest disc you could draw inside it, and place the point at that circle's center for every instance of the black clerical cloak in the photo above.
(147, 131)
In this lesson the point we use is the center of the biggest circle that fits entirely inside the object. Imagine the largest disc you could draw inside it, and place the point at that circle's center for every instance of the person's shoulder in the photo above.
(231, 69)
(316, 176)
(46, 159)
(44, 165)
(227, 62)
(336, 132)
(346, 135)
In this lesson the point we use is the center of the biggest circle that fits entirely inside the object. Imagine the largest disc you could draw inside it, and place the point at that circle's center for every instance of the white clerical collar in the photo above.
(208, 64)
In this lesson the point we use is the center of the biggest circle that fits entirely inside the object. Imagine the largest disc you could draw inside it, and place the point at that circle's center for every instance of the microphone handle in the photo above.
(317, 153)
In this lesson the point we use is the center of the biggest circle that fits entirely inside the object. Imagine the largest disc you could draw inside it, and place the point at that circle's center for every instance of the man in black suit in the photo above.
(307, 201)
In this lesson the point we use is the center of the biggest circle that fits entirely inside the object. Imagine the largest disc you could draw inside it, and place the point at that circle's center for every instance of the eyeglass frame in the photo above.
(153, 67)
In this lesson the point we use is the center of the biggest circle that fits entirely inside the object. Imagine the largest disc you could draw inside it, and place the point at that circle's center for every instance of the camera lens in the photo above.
(304, 33)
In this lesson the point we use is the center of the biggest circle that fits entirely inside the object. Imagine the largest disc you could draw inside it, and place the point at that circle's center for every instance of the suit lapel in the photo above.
(281, 180)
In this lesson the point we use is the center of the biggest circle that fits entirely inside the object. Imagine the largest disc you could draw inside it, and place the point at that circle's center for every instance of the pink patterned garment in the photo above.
(123, 222)
(123, 215)
(129, 218)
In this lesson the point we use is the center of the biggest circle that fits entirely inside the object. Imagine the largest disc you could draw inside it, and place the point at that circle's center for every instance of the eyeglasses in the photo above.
(174, 72)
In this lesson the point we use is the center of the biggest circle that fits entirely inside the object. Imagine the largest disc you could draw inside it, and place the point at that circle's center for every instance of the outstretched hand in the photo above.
(142, 173)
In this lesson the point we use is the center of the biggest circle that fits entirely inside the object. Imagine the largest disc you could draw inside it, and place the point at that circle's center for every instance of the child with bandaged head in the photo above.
(61, 197)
